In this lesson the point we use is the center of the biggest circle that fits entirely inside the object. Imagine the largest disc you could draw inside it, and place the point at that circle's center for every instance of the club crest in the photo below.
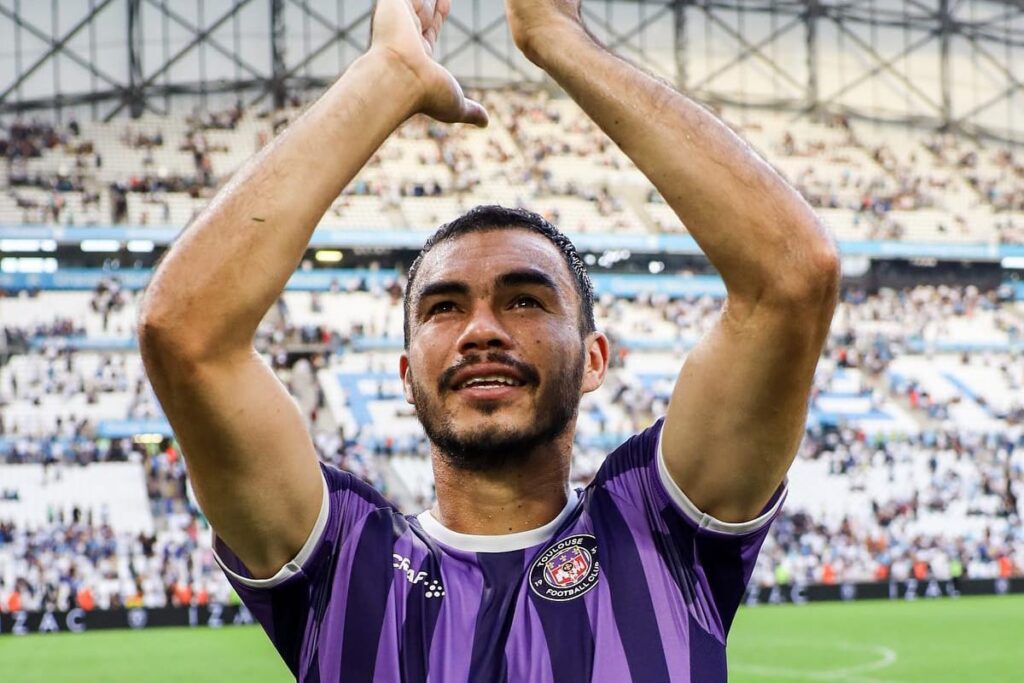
(567, 569)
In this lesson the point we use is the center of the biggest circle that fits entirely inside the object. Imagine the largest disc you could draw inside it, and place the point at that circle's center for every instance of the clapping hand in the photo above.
(407, 31)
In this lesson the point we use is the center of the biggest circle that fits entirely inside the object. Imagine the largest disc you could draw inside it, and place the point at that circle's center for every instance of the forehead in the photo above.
(477, 258)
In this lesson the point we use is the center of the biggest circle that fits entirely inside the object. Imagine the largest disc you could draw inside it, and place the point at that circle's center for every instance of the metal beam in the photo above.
(343, 32)
(681, 44)
(277, 54)
(883, 64)
(56, 45)
(887, 65)
(339, 33)
(811, 17)
(195, 30)
(474, 39)
(134, 95)
(753, 50)
(1015, 85)
(749, 49)
(944, 20)
(946, 28)
(624, 38)
(486, 47)
(196, 40)
(619, 38)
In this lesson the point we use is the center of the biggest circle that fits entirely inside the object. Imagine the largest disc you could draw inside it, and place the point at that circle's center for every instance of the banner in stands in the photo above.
(413, 239)
(911, 589)
(79, 621)
(217, 616)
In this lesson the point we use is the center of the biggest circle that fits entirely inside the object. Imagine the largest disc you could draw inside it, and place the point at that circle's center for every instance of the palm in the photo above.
(409, 29)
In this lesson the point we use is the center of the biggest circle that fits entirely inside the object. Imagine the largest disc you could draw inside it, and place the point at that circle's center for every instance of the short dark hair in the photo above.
(493, 217)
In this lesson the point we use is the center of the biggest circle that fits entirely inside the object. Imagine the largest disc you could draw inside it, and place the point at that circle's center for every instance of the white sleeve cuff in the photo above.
(295, 565)
(704, 520)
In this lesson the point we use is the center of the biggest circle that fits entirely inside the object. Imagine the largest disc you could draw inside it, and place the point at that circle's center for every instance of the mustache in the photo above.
(526, 371)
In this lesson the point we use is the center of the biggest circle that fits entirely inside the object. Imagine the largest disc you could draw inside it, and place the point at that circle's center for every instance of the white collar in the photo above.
(496, 543)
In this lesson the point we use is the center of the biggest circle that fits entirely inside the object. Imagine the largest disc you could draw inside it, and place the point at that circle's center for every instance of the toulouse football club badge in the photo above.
(567, 569)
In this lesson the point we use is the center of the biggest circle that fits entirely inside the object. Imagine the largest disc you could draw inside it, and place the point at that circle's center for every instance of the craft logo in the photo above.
(566, 570)
(433, 588)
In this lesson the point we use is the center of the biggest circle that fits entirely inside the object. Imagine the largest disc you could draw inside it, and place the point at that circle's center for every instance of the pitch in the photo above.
(943, 641)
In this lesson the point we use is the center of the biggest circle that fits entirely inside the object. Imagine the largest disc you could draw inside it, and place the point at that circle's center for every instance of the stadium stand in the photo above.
(913, 464)
(869, 181)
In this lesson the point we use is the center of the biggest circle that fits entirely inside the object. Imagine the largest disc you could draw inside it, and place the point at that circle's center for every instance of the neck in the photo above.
(520, 497)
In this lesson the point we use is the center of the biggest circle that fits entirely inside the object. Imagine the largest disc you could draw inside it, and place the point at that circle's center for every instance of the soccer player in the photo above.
(511, 576)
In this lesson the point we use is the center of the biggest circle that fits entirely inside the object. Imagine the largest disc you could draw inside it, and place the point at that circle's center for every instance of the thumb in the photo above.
(474, 113)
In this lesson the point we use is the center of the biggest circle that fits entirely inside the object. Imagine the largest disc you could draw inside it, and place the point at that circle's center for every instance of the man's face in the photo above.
(496, 365)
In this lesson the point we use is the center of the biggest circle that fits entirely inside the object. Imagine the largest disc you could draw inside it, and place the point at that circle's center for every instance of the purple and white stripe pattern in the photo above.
(631, 582)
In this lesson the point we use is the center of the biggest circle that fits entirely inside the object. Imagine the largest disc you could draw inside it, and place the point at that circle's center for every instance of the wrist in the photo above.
(391, 73)
(550, 38)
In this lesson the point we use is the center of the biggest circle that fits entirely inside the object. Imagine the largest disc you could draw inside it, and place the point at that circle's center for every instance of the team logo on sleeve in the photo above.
(567, 569)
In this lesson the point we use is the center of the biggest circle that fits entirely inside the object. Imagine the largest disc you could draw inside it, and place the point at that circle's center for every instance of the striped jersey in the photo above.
(630, 582)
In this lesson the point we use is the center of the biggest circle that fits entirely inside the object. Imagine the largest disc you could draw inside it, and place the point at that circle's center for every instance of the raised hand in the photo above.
(407, 30)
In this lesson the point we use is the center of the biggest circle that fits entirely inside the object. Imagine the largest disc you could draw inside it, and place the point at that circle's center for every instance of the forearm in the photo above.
(220, 277)
(756, 230)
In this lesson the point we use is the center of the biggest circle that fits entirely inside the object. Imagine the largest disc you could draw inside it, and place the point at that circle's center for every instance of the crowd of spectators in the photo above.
(891, 536)
(886, 539)
(81, 562)
(78, 559)
(22, 141)
(29, 139)
(1000, 181)
(532, 137)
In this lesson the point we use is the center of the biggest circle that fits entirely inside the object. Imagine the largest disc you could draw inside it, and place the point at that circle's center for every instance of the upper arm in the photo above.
(739, 407)
(249, 455)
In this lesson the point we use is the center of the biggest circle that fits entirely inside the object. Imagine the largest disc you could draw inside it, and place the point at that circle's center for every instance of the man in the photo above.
(510, 577)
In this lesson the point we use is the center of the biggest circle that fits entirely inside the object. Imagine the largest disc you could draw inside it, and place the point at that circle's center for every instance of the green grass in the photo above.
(940, 641)
(935, 641)
(159, 655)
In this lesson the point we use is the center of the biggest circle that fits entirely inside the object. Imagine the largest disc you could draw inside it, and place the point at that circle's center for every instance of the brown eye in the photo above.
(441, 307)
(525, 301)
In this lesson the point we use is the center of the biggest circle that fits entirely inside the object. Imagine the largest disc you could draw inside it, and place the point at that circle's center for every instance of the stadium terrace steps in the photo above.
(112, 493)
(543, 152)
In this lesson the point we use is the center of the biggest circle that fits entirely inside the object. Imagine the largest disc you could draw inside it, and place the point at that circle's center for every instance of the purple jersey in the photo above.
(630, 582)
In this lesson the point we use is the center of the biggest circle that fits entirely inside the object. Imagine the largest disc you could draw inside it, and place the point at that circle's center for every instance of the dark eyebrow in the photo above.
(526, 277)
(441, 288)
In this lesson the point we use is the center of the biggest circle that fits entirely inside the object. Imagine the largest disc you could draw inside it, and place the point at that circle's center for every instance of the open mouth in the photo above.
(489, 382)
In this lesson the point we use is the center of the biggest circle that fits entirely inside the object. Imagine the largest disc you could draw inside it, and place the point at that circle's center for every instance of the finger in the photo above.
(444, 7)
(474, 113)
(426, 13)
(436, 24)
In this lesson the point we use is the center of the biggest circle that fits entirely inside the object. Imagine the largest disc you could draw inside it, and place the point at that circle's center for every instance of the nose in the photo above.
(483, 332)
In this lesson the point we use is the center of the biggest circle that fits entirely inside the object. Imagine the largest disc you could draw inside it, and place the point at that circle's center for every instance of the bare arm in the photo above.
(738, 410)
(250, 459)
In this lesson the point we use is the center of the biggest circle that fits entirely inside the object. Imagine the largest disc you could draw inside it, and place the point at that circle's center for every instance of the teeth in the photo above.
(490, 379)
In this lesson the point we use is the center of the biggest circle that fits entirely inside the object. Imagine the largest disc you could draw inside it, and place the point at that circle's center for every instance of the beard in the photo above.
(497, 446)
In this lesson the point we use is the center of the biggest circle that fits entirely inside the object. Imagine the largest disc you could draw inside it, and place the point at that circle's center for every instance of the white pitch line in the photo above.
(849, 674)
(888, 658)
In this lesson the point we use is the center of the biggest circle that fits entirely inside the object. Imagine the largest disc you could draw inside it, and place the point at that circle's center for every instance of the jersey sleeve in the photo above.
(289, 604)
(710, 560)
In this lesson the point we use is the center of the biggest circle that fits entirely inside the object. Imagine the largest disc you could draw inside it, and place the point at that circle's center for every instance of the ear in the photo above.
(403, 370)
(597, 350)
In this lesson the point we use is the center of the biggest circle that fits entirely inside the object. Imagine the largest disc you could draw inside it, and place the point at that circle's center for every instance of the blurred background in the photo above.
(900, 121)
